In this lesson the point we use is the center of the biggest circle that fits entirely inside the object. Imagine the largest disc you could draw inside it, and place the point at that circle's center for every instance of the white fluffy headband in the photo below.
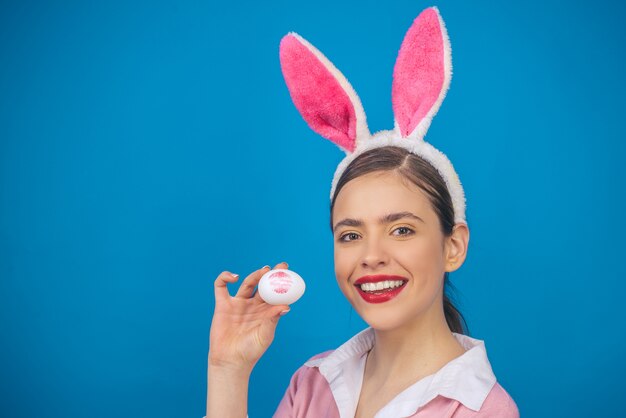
(421, 78)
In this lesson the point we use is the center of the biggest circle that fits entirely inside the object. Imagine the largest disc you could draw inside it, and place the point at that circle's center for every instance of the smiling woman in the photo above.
(414, 217)
(395, 243)
(400, 230)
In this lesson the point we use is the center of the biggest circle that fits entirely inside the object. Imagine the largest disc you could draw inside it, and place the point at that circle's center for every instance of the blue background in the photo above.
(147, 146)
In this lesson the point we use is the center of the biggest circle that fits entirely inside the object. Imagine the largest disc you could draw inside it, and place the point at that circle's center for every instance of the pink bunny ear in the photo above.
(422, 74)
(325, 99)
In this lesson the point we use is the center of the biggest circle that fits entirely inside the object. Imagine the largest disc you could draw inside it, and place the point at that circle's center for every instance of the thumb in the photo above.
(280, 311)
(277, 313)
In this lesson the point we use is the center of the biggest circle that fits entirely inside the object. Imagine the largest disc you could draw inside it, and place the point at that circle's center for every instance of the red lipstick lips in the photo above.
(379, 296)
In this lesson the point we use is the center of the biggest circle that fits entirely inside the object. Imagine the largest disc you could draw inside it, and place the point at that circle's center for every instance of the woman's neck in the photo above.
(408, 353)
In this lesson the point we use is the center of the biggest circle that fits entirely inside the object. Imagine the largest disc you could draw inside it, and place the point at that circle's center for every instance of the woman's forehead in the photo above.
(374, 195)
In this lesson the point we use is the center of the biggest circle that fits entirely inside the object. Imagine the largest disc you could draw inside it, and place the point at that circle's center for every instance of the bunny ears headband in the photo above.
(421, 78)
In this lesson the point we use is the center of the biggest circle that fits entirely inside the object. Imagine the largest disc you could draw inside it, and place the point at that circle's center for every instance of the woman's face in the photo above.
(412, 249)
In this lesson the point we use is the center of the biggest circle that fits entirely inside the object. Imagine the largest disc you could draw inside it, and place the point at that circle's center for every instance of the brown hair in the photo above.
(419, 172)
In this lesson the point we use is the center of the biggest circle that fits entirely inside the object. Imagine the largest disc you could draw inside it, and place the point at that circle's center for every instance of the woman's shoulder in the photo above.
(316, 359)
(308, 391)
(309, 371)
(499, 403)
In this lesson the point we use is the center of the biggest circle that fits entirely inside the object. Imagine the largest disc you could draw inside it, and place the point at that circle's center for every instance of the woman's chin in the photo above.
(382, 321)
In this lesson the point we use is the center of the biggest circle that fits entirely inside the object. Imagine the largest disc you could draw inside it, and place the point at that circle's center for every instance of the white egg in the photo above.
(281, 287)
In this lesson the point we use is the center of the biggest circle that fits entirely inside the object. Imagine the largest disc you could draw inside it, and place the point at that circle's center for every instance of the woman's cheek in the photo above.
(343, 284)
(340, 272)
(344, 262)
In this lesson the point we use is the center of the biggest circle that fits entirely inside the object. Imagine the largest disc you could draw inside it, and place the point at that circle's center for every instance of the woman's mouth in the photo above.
(380, 291)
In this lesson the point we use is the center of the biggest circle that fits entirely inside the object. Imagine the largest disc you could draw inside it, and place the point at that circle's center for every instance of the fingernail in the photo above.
(284, 312)
(234, 275)
(285, 263)
(266, 267)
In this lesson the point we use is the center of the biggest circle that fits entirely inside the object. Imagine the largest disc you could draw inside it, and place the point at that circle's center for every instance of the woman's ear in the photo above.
(456, 247)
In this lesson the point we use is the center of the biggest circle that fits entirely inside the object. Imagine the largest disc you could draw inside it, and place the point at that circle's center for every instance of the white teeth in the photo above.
(387, 284)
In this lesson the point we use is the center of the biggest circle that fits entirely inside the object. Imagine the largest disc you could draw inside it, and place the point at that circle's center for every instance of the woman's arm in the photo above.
(242, 329)
(498, 404)
(227, 392)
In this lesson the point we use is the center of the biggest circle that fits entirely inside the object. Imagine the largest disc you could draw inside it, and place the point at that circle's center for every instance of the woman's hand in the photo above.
(243, 326)
(241, 331)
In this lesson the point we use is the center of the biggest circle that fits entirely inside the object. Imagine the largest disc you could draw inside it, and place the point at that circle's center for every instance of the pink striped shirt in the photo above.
(329, 384)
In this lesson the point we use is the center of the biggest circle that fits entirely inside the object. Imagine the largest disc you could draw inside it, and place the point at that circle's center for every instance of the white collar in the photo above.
(467, 378)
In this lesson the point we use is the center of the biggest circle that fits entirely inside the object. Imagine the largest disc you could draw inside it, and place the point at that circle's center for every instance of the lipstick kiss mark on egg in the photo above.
(280, 282)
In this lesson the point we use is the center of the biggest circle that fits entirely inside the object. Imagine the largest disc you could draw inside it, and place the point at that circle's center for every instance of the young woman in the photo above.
(398, 226)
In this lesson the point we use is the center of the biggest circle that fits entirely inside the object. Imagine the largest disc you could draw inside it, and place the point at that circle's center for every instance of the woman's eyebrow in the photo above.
(391, 217)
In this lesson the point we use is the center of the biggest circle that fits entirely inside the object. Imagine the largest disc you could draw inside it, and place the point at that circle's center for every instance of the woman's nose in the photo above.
(374, 255)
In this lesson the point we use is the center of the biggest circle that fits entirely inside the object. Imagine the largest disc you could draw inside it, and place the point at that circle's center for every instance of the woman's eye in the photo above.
(408, 230)
(349, 234)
